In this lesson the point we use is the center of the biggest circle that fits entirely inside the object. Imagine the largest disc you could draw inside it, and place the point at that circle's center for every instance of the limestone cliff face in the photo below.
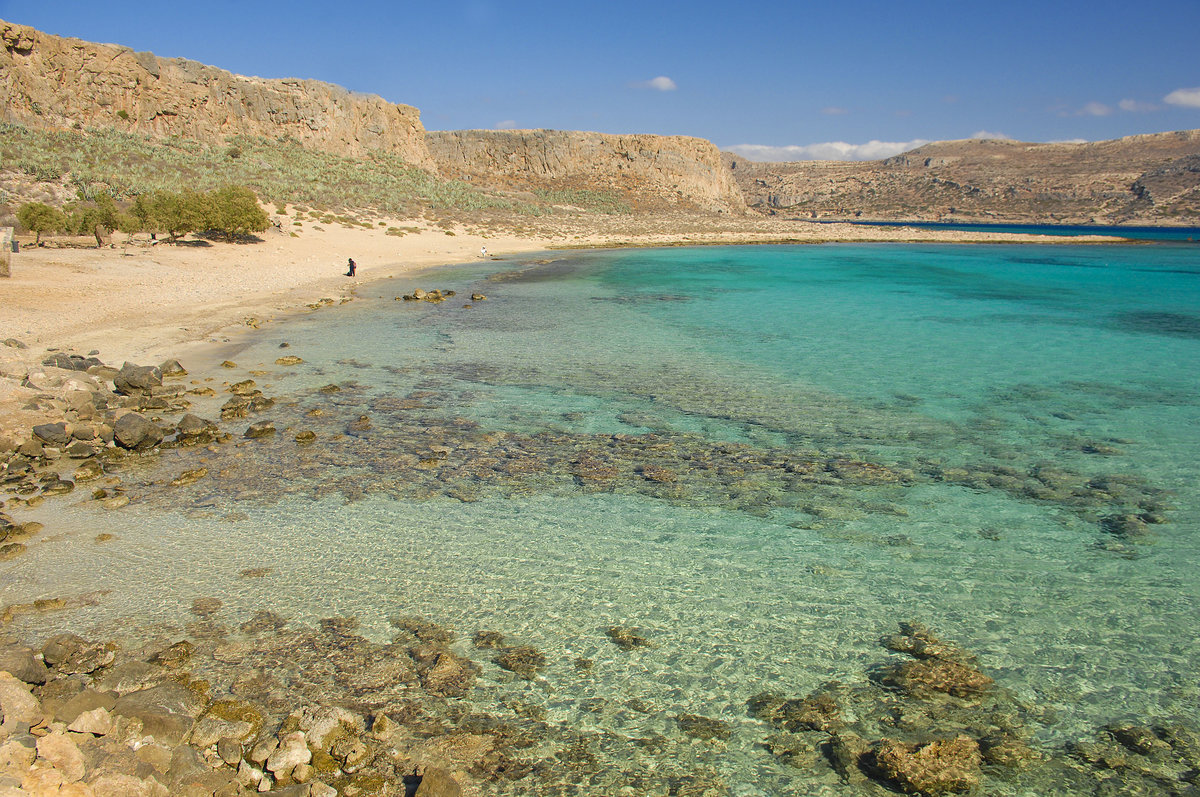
(48, 81)
(1149, 179)
(649, 171)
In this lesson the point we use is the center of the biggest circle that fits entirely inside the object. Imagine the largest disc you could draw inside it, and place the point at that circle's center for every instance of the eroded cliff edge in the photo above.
(649, 172)
(53, 82)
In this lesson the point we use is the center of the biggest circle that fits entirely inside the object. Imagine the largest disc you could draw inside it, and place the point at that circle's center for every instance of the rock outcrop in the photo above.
(648, 172)
(1147, 179)
(54, 82)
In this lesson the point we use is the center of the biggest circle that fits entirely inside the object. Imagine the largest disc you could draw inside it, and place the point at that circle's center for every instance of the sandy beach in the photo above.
(138, 301)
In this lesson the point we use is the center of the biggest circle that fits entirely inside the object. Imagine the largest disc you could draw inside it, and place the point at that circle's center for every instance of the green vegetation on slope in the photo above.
(280, 171)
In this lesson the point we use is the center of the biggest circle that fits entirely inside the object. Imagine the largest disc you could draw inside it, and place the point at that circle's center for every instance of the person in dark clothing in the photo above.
(353, 266)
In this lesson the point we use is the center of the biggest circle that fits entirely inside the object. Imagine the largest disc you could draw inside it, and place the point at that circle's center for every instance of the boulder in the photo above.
(23, 664)
(58, 749)
(56, 434)
(97, 722)
(437, 782)
(292, 751)
(194, 429)
(134, 380)
(73, 655)
(85, 701)
(172, 368)
(167, 712)
(17, 703)
(136, 432)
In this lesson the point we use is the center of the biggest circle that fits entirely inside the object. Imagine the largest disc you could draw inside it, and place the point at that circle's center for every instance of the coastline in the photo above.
(323, 641)
(136, 301)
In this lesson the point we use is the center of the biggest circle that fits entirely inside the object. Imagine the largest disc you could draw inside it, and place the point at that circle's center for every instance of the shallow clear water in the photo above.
(1015, 399)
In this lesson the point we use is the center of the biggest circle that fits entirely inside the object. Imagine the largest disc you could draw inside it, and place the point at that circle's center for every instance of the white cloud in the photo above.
(1094, 109)
(1186, 98)
(1136, 106)
(1068, 141)
(830, 150)
(507, 124)
(833, 110)
(991, 135)
(660, 83)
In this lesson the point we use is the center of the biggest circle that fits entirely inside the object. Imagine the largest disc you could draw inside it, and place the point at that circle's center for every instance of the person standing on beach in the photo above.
(483, 251)
(353, 266)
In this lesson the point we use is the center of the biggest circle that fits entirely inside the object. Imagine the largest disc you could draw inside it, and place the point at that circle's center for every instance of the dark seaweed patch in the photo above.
(1176, 325)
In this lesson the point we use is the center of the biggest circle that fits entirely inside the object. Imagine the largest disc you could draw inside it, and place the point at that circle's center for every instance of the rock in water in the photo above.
(136, 432)
(260, 429)
(939, 767)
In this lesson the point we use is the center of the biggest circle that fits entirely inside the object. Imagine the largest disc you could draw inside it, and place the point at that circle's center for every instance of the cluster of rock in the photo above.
(435, 296)
(96, 420)
(935, 724)
(82, 719)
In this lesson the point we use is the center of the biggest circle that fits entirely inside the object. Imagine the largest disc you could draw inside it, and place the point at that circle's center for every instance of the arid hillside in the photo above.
(53, 82)
(647, 172)
(1147, 179)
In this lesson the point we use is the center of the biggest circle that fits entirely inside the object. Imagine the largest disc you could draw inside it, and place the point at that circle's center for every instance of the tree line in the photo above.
(228, 212)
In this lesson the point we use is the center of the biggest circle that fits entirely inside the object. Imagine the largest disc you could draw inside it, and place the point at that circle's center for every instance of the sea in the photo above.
(759, 461)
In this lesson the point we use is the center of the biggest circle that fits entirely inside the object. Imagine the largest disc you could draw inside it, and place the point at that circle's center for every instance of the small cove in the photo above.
(846, 437)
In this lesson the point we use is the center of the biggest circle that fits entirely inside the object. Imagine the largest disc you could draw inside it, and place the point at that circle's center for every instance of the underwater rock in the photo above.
(419, 629)
(189, 477)
(247, 387)
(817, 712)
(290, 359)
(444, 673)
(917, 640)
(846, 753)
(627, 638)
(523, 660)
(925, 677)
(306, 436)
(1007, 750)
(174, 656)
(938, 767)
(704, 728)
(488, 639)
(260, 429)
(792, 750)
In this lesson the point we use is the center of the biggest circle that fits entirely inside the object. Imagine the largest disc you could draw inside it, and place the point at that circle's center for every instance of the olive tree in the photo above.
(233, 211)
(38, 218)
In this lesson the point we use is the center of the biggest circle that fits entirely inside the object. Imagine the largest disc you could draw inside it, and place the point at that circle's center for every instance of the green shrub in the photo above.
(39, 218)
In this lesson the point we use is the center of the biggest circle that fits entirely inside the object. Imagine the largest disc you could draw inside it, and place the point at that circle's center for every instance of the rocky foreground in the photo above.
(226, 708)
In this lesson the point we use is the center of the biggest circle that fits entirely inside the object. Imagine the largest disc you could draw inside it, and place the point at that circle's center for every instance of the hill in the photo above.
(1145, 179)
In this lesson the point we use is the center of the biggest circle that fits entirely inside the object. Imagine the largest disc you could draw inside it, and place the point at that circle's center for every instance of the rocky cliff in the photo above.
(48, 81)
(649, 172)
(1149, 179)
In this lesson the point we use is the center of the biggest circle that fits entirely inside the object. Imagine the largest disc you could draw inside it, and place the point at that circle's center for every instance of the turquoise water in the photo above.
(845, 437)
(1133, 232)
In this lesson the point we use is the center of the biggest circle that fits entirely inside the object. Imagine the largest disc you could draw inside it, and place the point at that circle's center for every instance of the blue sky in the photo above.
(796, 79)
